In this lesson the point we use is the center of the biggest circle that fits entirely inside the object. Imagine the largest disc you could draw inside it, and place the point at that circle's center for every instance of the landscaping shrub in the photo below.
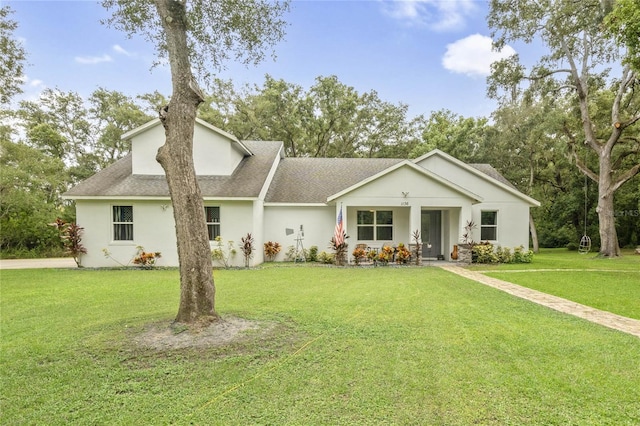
(521, 255)
(271, 250)
(325, 257)
(223, 254)
(485, 253)
(312, 255)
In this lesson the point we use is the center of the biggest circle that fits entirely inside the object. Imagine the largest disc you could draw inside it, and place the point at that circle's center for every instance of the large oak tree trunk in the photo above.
(197, 290)
(606, 215)
(534, 234)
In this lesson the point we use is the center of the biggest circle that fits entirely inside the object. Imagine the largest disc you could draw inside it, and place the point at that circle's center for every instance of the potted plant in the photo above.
(465, 249)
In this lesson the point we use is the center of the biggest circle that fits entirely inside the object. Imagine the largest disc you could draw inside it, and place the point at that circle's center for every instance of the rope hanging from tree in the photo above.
(585, 241)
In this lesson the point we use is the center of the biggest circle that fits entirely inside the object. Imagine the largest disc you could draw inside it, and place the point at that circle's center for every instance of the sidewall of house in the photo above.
(318, 224)
(512, 230)
(154, 230)
(236, 220)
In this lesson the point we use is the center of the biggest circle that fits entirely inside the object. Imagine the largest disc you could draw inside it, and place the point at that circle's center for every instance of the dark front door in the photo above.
(431, 233)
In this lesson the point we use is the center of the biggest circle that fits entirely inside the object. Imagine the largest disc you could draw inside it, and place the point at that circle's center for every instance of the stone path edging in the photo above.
(607, 319)
(61, 262)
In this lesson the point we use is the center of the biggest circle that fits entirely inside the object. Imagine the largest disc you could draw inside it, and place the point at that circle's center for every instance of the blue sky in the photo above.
(428, 54)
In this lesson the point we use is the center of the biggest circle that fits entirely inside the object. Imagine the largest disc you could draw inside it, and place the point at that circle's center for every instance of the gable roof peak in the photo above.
(156, 121)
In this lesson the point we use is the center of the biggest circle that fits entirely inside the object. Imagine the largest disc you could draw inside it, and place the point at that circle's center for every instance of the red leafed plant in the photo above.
(71, 236)
(271, 249)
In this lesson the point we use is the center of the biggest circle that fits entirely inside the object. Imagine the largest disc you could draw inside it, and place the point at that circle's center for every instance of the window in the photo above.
(123, 223)
(375, 225)
(212, 215)
(489, 226)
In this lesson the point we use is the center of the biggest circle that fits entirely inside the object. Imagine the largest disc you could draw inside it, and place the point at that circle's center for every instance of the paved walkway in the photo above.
(607, 319)
(62, 262)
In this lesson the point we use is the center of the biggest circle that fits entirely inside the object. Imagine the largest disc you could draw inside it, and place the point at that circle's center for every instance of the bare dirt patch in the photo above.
(226, 331)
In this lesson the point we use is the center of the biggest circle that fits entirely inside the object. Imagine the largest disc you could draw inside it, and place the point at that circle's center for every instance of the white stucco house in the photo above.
(250, 186)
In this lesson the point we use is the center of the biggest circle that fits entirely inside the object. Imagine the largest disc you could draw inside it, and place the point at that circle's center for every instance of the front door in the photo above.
(431, 233)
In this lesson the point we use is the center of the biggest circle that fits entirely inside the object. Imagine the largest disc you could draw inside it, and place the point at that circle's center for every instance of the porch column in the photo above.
(415, 221)
(466, 214)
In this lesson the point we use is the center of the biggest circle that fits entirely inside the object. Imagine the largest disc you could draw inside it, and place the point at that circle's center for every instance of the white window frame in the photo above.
(493, 227)
(115, 223)
(375, 225)
(213, 223)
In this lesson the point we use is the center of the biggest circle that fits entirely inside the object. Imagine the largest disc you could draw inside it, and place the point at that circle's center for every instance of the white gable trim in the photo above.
(478, 173)
(243, 147)
(410, 164)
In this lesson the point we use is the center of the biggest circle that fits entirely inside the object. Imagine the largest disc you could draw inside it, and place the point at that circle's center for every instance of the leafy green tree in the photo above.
(330, 119)
(152, 102)
(113, 114)
(30, 186)
(623, 22)
(59, 125)
(12, 58)
(461, 137)
(196, 35)
(270, 112)
(578, 50)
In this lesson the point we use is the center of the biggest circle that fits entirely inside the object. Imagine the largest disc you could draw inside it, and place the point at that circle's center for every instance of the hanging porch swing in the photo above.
(585, 241)
(585, 244)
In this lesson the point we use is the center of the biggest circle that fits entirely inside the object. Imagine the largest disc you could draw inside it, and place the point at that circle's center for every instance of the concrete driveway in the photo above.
(62, 262)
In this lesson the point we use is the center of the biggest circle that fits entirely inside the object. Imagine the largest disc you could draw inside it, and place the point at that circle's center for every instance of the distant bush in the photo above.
(572, 246)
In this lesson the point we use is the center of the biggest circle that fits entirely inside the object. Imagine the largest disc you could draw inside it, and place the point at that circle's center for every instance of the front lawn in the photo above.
(609, 284)
(350, 346)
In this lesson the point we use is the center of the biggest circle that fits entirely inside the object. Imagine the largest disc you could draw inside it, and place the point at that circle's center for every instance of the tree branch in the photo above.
(622, 179)
(547, 74)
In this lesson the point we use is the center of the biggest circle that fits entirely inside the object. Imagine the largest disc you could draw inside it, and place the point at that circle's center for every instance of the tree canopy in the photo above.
(12, 58)
(603, 113)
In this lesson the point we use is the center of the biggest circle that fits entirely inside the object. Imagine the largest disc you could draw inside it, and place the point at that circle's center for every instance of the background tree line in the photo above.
(535, 138)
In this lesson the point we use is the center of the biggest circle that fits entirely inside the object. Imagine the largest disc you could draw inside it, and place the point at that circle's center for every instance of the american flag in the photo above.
(339, 234)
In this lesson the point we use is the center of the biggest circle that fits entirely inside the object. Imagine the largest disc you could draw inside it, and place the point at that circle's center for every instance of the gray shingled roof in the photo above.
(246, 181)
(488, 170)
(313, 180)
(297, 180)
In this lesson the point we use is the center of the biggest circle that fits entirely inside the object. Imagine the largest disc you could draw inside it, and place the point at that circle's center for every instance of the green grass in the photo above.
(564, 259)
(609, 284)
(353, 346)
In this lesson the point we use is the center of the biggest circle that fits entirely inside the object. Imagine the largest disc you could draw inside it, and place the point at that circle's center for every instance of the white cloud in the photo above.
(121, 50)
(27, 81)
(437, 14)
(93, 59)
(35, 83)
(473, 55)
